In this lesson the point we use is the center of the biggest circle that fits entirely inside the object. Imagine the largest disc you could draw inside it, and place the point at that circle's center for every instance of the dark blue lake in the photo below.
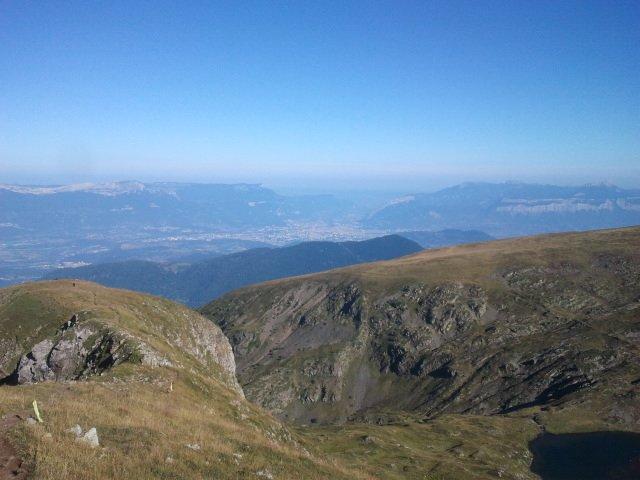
(587, 456)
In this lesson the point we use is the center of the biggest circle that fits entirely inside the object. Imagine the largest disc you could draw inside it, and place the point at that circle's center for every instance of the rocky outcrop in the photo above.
(78, 350)
(46, 341)
(10, 350)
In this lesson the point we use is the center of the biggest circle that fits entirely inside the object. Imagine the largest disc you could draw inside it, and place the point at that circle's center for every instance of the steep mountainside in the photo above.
(488, 328)
(508, 209)
(205, 280)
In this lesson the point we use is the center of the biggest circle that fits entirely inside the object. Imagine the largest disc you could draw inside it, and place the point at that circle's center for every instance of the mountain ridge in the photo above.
(509, 209)
(170, 406)
(204, 280)
(449, 361)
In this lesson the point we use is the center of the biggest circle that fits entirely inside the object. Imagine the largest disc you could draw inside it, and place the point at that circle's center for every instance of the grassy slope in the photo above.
(449, 447)
(145, 416)
(477, 264)
(34, 311)
(454, 447)
(472, 262)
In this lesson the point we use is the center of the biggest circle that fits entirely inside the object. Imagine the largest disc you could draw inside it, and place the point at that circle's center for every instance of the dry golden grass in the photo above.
(145, 430)
(473, 262)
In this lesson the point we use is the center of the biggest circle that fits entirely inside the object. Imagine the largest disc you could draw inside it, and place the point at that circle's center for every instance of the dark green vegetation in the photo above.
(547, 322)
(197, 283)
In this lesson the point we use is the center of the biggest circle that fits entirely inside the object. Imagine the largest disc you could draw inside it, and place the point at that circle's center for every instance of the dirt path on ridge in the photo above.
(11, 467)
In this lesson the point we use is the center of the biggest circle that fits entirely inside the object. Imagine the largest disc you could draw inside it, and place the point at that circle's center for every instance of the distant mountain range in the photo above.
(45, 227)
(500, 209)
(202, 281)
(509, 209)
(97, 207)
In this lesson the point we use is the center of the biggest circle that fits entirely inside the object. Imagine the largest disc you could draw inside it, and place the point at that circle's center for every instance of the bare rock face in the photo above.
(453, 308)
(9, 350)
(34, 366)
(323, 353)
(76, 351)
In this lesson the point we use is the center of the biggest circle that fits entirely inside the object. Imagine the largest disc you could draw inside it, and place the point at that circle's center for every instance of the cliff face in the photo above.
(482, 329)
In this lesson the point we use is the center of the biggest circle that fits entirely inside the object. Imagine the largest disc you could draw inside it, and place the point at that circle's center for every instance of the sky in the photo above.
(396, 95)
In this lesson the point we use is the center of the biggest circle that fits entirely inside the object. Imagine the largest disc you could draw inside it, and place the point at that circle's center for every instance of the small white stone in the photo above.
(193, 446)
(90, 438)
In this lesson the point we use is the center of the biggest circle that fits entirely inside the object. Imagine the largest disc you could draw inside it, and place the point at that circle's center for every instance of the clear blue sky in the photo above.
(387, 94)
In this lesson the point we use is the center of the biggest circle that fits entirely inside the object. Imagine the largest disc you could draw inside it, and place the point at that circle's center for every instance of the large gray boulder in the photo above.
(77, 350)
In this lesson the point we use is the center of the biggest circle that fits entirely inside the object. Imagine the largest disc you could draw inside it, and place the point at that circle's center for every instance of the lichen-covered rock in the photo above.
(207, 343)
(453, 308)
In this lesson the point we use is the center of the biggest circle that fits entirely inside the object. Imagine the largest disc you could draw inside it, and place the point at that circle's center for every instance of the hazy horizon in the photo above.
(297, 188)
